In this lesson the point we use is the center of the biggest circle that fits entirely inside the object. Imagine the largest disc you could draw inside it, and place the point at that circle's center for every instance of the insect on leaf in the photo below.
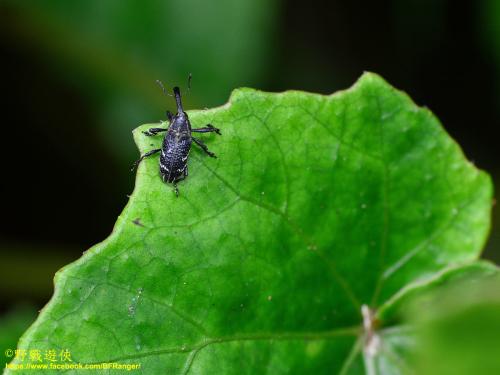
(316, 206)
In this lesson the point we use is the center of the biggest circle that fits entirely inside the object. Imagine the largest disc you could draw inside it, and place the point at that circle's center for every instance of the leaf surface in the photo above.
(316, 206)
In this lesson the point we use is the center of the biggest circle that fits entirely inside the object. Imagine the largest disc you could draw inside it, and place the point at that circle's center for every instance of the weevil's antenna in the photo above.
(189, 81)
(163, 87)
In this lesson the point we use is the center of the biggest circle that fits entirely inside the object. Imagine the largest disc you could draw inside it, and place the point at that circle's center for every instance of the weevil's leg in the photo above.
(152, 152)
(176, 189)
(154, 131)
(186, 171)
(207, 129)
(204, 147)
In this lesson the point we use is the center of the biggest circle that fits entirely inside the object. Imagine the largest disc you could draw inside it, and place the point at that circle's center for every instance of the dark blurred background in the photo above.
(78, 76)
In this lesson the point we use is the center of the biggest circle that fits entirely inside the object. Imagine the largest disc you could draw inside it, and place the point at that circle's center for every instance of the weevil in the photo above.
(176, 145)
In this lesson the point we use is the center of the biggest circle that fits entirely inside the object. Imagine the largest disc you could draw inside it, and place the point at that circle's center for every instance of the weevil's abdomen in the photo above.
(174, 156)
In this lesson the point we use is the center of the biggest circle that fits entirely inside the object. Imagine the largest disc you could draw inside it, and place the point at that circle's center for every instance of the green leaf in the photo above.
(316, 206)
(458, 329)
(398, 341)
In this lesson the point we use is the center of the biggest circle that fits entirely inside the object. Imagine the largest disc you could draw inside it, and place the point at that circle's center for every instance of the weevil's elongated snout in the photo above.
(177, 93)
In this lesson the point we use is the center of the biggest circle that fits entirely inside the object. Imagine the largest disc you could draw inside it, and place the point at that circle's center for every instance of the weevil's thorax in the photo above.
(180, 123)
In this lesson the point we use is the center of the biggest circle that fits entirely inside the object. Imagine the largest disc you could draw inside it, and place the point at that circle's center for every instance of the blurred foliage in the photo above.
(490, 30)
(38, 269)
(115, 50)
(12, 325)
(458, 330)
(489, 21)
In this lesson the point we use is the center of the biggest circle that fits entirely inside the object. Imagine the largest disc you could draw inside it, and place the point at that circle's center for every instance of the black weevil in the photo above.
(177, 143)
